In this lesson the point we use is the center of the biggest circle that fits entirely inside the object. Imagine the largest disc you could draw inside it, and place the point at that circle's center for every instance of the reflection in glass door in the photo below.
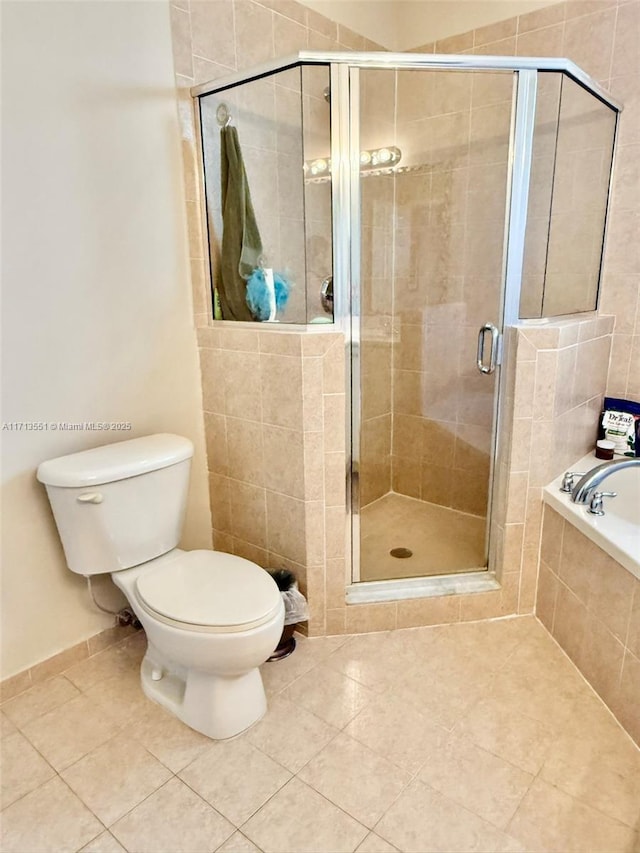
(434, 152)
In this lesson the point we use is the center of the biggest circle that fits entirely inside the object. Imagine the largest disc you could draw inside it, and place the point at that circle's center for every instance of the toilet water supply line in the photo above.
(124, 616)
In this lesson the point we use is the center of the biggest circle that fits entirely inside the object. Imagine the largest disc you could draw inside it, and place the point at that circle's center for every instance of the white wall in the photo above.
(96, 294)
(404, 24)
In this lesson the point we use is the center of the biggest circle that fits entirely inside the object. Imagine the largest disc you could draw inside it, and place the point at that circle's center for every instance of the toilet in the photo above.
(211, 618)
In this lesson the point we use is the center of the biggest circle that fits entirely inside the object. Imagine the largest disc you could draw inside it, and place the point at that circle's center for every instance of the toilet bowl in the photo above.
(211, 618)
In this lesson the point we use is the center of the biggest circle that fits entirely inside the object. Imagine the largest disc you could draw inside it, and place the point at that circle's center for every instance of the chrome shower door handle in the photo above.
(495, 342)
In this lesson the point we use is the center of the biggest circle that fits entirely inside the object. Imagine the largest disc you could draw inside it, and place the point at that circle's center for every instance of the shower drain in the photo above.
(401, 553)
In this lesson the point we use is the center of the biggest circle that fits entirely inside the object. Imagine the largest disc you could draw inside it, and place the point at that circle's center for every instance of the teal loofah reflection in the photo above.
(259, 296)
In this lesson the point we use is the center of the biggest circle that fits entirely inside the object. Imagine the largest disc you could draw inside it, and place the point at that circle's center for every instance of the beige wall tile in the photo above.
(59, 663)
(250, 552)
(521, 444)
(286, 526)
(334, 479)
(528, 580)
(633, 640)
(544, 17)
(551, 543)
(219, 497)
(245, 451)
(289, 36)
(518, 483)
(570, 622)
(611, 596)
(336, 577)
(625, 54)
(284, 461)
(248, 512)
(335, 532)
(512, 553)
(336, 621)
(546, 596)
(406, 476)
(108, 637)
(469, 492)
(314, 466)
(547, 41)
(253, 33)
(334, 422)
(215, 427)
(495, 32)
(211, 365)
(312, 394)
(455, 44)
(363, 618)
(315, 592)
(588, 41)
(211, 24)
(281, 343)
(624, 701)
(440, 610)
(525, 388)
(181, 38)
(315, 534)
(545, 384)
(15, 685)
(238, 340)
(600, 658)
(488, 605)
(281, 389)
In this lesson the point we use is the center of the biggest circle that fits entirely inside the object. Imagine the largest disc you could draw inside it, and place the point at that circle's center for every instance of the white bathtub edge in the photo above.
(587, 524)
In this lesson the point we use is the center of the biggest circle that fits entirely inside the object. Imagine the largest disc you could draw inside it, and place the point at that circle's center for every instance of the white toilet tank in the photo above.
(119, 505)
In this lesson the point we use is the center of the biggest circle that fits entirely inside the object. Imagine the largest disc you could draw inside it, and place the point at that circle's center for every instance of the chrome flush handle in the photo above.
(493, 356)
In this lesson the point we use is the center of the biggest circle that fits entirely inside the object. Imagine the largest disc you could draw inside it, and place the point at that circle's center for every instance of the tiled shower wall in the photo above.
(274, 408)
(560, 372)
(591, 605)
(602, 37)
(430, 268)
(448, 264)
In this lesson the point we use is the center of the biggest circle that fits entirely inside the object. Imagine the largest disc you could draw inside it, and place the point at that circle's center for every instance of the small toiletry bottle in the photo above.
(604, 449)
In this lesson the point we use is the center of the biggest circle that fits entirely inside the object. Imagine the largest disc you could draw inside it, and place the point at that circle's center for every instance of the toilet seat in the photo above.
(209, 591)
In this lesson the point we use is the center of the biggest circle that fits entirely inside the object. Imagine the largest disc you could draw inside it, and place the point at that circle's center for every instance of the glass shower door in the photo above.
(428, 280)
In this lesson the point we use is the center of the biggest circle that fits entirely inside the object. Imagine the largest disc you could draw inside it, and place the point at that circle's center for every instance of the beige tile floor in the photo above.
(443, 540)
(469, 737)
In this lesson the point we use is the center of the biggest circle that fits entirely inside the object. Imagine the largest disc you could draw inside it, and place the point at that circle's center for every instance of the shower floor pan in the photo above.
(441, 540)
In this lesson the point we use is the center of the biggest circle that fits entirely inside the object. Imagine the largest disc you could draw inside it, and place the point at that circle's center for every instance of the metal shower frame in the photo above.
(347, 241)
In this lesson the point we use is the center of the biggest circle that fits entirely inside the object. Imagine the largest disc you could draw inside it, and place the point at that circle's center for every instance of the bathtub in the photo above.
(618, 531)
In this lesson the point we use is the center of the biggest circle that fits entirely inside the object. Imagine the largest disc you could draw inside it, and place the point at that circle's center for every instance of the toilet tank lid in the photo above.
(117, 461)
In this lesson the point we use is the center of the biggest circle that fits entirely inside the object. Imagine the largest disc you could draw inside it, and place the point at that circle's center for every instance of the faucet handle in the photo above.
(596, 506)
(567, 480)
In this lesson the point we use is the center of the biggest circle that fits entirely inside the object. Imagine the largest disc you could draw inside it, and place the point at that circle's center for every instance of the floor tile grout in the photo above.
(456, 643)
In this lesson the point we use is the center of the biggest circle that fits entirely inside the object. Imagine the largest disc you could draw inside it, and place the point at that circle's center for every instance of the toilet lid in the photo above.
(210, 588)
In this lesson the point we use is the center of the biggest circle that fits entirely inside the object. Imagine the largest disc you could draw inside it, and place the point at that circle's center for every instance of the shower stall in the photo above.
(423, 205)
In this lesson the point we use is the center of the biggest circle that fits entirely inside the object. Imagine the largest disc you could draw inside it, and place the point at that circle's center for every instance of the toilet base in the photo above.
(218, 706)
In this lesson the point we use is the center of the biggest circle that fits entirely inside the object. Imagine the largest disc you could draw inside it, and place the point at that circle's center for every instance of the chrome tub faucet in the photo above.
(586, 489)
